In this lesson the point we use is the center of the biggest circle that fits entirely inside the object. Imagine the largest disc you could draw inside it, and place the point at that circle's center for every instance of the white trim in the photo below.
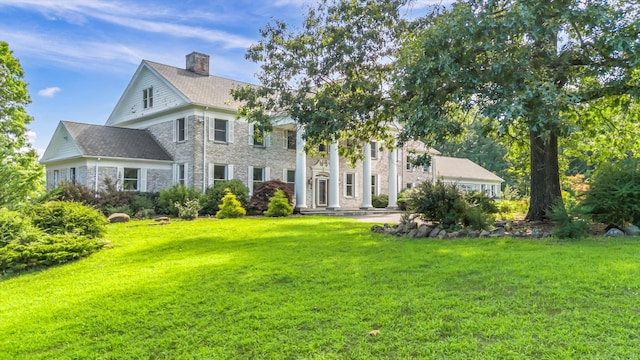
(266, 174)
(250, 179)
(230, 130)
(143, 180)
(229, 171)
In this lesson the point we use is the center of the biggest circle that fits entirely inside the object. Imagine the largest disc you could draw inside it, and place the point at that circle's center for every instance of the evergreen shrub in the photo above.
(569, 222)
(175, 194)
(188, 210)
(440, 203)
(213, 195)
(380, 201)
(230, 207)
(279, 205)
(64, 217)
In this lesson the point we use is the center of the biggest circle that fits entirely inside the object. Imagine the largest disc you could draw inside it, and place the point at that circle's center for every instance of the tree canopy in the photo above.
(540, 69)
(20, 173)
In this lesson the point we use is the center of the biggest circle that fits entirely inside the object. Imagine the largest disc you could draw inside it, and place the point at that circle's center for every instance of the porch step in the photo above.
(350, 212)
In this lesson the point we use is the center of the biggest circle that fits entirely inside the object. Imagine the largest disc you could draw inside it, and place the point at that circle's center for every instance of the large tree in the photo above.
(539, 68)
(332, 75)
(20, 173)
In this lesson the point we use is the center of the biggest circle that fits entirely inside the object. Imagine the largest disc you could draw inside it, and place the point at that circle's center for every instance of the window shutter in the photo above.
(229, 172)
(285, 139)
(250, 179)
(355, 184)
(212, 129)
(175, 130)
(120, 178)
(210, 180)
(284, 175)
(267, 140)
(143, 180)
(250, 134)
(175, 174)
(267, 174)
(230, 129)
(186, 175)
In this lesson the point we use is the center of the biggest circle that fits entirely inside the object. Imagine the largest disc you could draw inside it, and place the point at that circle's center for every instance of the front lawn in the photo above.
(315, 287)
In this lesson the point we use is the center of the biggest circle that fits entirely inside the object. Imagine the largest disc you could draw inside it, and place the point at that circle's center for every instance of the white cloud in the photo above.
(49, 92)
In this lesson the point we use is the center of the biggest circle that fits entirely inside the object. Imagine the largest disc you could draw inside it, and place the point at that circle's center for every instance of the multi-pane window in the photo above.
(181, 130)
(219, 173)
(291, 179)
(259, 136)
(409, 164)
(374, 150)
(374, 185)
(258, 176)
(291, 139)
(56, 177)
(322, 148)
(220, 130)
(182, 174)
(350, 184)
(131, 178)
(147, 97)
(72, 175)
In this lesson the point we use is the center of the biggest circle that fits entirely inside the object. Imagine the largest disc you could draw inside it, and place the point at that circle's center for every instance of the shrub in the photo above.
(175, 194)
(230, 207)
(189, 210)
(613, 197)
(125, 209)
(142, 201)
(380, 201)
(62, 217)
(263, 192)
(110, 197)
(486, 203)
(16, 227)
(279, 205)
(48, 250)
(441, 203)
(569, 222)
(477, 219)
(213, 195)
(76, 192)
(404, 198)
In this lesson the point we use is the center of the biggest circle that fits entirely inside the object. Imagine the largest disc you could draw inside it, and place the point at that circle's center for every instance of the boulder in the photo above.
(119, 218)
(484, 233)
(423, 231)
(614, 232)
(434, 233)
(631, 230)
(412, 233)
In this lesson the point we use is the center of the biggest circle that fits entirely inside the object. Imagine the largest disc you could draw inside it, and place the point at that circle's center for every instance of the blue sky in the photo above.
(79, 55)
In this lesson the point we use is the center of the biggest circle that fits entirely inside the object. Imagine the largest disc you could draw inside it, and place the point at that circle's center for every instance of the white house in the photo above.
(178, 126)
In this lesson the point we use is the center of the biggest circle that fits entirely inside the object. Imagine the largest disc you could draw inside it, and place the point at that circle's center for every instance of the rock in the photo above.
(473, 234)
(119, 218)
(501, 224)
(614, 232)
(498, 232)
(411, 225)
(536, 233)
(434, 233)
(442, 234)
(453, 235)
(463, 232)
(400, 229)
(423, 231)
(484, 233)
(412, 233)
(377, 229)
(161, 218)
(631, 230)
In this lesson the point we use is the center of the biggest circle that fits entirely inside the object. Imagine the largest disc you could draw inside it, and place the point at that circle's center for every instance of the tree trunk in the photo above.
(545, 176)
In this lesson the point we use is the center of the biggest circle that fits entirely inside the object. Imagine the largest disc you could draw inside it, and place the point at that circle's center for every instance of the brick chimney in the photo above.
(198, 63)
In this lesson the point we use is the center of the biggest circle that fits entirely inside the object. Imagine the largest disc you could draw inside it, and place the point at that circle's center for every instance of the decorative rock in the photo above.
(434, 233)
(631, 230)
(499, 231)
(473, 234)
(377, 229)
(400, 229)
(501, 224)
(484, 233)
(614, 232)
(442, 234)
(161, 218)
(412, 233)
(119, 217)
(423, 231)
(463, 232)
(411, 225)
(536, 233)
(452, 235)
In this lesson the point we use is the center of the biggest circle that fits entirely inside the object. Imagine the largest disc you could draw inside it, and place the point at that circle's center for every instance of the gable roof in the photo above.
(458, 168)
(115, 142)
(207, 90)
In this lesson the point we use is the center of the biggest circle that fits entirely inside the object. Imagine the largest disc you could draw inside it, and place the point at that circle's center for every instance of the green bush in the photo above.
(189, 210)
(569, 222)
(47, 251)
(380, 201)
(404, 199)
(613, 197)
(144, 201)
(175, 194)
(477, 219)
(213, 195)
(279, 205)
(441, 203)
(230, 207)
(68, 191)
(14, 226)
(262, 193)
(63, 217)
(486, 203)
(109, 197)
(125, 209)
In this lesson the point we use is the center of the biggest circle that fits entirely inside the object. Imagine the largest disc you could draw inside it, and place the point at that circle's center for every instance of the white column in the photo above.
(334, 175)
(366, 178)
(393, 179)
(301, 172)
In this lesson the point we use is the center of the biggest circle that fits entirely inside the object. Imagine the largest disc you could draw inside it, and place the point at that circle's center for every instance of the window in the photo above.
(409, 185)
(322, 148)
(220, 130)
(291, 179)
(181, 130)
(56, 177)
(259, 136)
(72, 175)
(374, 149)
(374, 185)
(130, 179)
(258, 176)
(409, 164)
(219, 173)
(291, 139)
(147, 97)
(350, 181)
(182, 174)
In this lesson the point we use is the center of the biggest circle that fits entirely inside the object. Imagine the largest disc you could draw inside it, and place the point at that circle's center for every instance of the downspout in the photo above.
(96, 180)
(204, 150)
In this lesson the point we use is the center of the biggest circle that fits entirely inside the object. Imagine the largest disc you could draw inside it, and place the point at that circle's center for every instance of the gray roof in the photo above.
(206, 90)
(457, 168)
(116, 142)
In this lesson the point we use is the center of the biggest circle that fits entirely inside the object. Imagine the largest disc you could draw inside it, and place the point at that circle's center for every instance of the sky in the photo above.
(79, 55)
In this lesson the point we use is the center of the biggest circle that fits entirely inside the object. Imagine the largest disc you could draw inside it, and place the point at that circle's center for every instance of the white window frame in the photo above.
(266, 137)
(147, 98)
(127, 180)
(410, 167)
(56, 177)
(350, 185)
(177, 132)
(285, 178)
(374, 149)
(213, 130)
(181, 169)
(374, 185)
(288, 137)
(73, 175)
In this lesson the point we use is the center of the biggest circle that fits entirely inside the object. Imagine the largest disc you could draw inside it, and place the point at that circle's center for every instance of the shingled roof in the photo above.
(206, 90)
(116, 142)
(458, 168)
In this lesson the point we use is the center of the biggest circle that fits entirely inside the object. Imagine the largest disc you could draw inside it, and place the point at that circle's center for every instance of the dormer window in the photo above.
(147, 98)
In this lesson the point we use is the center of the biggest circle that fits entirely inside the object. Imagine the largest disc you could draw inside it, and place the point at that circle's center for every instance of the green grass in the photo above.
(315, 287)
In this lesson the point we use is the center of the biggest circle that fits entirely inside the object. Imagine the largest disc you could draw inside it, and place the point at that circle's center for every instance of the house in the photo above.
(178, 126)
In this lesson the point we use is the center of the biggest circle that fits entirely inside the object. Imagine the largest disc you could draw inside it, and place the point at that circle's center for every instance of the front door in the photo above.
(322, 192)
